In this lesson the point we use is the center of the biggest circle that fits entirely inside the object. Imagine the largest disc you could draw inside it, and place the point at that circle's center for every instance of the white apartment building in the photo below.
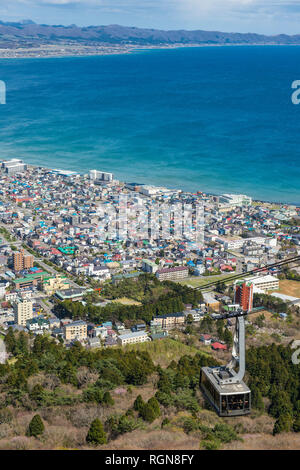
(196, 315)
(132, 338)
(231, 243)
(100, 176)
(23, 311)
(235, 199)
(264, 283)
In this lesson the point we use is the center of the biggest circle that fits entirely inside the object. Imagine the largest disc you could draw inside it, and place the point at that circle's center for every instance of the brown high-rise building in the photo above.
(18, 261)
(22, 261)
(244, 295)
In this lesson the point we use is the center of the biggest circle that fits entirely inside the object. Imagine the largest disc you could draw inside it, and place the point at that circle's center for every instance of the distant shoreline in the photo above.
(209, 193)
(58, 51)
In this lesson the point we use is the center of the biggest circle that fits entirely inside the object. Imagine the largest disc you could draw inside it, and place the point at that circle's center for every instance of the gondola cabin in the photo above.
(230, 399)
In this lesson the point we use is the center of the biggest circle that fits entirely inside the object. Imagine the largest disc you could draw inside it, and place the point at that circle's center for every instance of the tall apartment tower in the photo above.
(101, 176)
(23, 311)
(243, 295)
(22, 261)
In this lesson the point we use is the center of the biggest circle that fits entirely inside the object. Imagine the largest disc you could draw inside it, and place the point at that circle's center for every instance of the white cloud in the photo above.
(268, 16)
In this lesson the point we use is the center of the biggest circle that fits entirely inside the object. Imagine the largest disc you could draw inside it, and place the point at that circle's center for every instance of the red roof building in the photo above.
(218, 346)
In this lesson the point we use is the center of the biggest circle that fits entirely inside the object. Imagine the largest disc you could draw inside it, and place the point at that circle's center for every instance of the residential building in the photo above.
(206, 339)
(159, 335)
(33, 280)
(139, 327)
(210, 301)
(149, 266)
(94, 342)
(243, 295)
(39, 323)
(13, 166)
(235, 199)
(22, 261)
(100, 331)
(132, 338)
(23, 311)
(172, 274)
(196, 315)
(101, 176)
(169, 321)
(53, 284)
(54, 322)
(75, 330)
(265, 283)
(218, 346)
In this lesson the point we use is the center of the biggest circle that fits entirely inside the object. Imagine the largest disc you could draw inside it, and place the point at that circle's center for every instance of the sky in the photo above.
(258, 16)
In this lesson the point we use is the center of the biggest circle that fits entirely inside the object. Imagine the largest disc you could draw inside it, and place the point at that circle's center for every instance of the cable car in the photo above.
(222, 386)
(233, 399)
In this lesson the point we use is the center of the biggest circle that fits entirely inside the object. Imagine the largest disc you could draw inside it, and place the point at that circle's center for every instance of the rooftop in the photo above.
(133, 335)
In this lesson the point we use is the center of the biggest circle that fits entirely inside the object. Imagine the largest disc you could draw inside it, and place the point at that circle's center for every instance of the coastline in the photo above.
(209, 193)
(95, 51)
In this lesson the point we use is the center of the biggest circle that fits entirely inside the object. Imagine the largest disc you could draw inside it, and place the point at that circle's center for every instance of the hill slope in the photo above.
(29, 34)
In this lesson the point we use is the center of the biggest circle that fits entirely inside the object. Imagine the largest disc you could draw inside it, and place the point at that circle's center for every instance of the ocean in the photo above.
(213, 119)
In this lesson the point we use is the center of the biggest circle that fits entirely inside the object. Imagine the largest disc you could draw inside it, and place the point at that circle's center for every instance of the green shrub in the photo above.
(165, 422)
(36, 426)
(148, 413)
(225, 433)
(96, 434)
(213, 444)
(190, 424)
(107, 399)
(139, 403)
(155, 405)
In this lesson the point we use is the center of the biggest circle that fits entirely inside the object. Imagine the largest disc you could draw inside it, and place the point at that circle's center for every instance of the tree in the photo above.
(155, 405)
(257, 399)
(228, 337)
(22, 343)
(37, 393)
(189, 330)
(139, 403)
(148, 413)
(220, 329)
(126, 424)
(36, 426)
(10, 340)
(282, 424)
(224, 432)
(296, 425)
(96, 434)
(107, 399)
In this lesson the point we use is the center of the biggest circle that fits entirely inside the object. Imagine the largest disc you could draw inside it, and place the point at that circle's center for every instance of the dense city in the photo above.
(68, 278)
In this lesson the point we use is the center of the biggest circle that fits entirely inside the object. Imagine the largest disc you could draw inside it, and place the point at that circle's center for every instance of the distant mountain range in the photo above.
(29, 34)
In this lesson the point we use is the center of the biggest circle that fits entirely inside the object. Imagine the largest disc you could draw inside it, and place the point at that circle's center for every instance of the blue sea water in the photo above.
(215, 119)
